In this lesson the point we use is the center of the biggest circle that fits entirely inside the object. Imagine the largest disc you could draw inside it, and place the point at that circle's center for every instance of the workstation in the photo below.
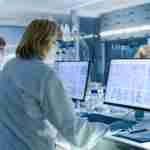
(102, 58)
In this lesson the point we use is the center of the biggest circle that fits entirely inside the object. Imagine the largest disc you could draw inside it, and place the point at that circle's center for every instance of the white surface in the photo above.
(145, 145)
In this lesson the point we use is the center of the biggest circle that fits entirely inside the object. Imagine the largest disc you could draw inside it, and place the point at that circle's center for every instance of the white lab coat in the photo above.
(31, 93)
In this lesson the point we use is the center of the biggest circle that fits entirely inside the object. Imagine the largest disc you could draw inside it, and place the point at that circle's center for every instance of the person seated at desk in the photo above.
(31, 94)
(2, 50)
(143, 52)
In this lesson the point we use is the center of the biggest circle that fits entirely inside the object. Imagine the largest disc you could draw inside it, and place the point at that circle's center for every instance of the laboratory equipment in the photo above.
(129, 84)
(74, 76)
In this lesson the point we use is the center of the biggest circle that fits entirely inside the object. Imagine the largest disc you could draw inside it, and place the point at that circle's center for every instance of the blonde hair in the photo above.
(37, 39)
(143, 52)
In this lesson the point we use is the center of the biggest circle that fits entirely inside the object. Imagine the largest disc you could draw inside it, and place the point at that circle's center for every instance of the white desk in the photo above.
(109, 136)
(145, 146)
(145, 123)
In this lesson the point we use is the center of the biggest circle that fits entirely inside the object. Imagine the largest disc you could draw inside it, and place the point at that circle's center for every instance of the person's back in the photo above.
(21, 95)
(31, 94)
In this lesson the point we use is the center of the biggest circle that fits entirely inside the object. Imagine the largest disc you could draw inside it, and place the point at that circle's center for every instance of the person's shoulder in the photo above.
(29, 64)
(46, 67)
(51, 73)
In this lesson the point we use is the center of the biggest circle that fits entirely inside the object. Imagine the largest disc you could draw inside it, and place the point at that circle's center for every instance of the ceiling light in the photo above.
(89, 2)
(125, 31)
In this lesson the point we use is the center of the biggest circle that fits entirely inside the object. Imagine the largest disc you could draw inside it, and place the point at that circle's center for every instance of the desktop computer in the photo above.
(129, 84)
(74, 76)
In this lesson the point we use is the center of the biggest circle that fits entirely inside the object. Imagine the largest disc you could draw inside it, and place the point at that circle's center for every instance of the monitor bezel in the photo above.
(127, 106)
(87, 77)
(123, 105)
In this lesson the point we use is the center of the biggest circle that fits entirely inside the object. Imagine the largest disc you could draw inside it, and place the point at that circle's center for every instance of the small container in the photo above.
(139, 115)
(94, 98)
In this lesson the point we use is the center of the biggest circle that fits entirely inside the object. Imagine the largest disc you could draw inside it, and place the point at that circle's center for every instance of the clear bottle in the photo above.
(94, 99)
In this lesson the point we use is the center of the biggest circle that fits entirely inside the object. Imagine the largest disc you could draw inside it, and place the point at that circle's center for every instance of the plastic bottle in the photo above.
(94, 99)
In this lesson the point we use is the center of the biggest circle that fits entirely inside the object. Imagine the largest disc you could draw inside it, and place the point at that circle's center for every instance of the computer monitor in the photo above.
(74, 76)
(129, 84)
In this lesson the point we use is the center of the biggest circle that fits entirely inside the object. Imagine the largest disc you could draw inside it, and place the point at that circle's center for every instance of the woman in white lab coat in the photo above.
(2, 51)
(31, 94)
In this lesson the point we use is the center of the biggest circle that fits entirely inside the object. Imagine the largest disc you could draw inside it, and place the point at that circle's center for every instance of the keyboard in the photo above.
(139, 137)
(116, 122)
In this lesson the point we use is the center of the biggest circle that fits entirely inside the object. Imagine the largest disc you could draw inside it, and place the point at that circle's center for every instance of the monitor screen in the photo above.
(129, 83)
(74, 76)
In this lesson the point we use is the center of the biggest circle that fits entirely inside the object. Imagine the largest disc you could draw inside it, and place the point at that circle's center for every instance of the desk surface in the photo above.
(145, 124)
(145, 146)
(109, 136)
